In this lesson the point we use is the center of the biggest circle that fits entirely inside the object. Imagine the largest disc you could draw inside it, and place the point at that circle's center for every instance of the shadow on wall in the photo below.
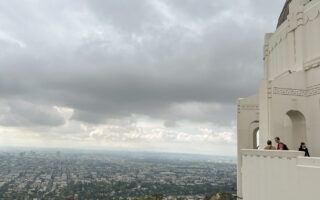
(295, 129)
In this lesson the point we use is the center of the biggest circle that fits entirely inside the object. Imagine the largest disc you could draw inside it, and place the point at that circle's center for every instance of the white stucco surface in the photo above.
(287, 106)
(280, 175)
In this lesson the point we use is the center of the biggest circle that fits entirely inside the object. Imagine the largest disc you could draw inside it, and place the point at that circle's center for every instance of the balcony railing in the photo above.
(269, 153)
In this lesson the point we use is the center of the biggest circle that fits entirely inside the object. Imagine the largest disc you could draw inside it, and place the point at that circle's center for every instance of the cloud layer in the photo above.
(174, 63)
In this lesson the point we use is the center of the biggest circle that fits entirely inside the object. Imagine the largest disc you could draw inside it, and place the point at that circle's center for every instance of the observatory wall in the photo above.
(287, 106)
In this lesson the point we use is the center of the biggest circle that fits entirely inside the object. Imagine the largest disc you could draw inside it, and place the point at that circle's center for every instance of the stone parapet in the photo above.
(272, 154)
(308, 162)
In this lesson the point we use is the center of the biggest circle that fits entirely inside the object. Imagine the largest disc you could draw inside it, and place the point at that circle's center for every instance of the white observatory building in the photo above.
(287, 106)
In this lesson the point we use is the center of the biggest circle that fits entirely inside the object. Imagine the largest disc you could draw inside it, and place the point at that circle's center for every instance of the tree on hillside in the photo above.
(222, 196)
(158, 196)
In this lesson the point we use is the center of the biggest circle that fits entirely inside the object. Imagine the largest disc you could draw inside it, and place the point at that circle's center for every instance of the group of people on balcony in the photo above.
(282, 146)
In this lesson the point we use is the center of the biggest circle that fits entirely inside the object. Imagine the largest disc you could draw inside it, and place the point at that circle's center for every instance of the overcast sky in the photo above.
(146, 75)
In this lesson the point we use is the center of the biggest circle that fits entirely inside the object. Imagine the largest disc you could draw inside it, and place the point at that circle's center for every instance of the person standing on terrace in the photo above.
(281, 146)
(269, 146)
(304, 148)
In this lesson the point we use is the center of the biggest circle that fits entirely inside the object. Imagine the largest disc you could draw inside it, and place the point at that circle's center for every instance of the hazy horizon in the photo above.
(109, 151)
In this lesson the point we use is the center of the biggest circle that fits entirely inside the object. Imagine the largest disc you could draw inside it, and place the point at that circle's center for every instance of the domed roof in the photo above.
(285, 12)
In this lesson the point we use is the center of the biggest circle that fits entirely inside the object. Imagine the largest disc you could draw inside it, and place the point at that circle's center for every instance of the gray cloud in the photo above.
(170, 60)
(25, 114)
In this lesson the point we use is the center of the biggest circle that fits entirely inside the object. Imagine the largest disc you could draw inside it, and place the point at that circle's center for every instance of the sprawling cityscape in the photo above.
(50, 174)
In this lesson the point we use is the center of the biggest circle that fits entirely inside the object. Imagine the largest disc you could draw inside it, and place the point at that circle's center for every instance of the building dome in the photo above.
(285, 12)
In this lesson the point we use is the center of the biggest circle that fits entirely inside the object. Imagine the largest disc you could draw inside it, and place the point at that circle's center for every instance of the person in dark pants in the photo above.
(305, 149)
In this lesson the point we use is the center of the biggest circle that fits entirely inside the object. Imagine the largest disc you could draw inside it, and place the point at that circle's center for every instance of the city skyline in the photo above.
(113, 175)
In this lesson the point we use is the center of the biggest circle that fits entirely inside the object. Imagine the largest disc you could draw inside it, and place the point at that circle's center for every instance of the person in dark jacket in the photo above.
(305, 149)
(281, 146)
